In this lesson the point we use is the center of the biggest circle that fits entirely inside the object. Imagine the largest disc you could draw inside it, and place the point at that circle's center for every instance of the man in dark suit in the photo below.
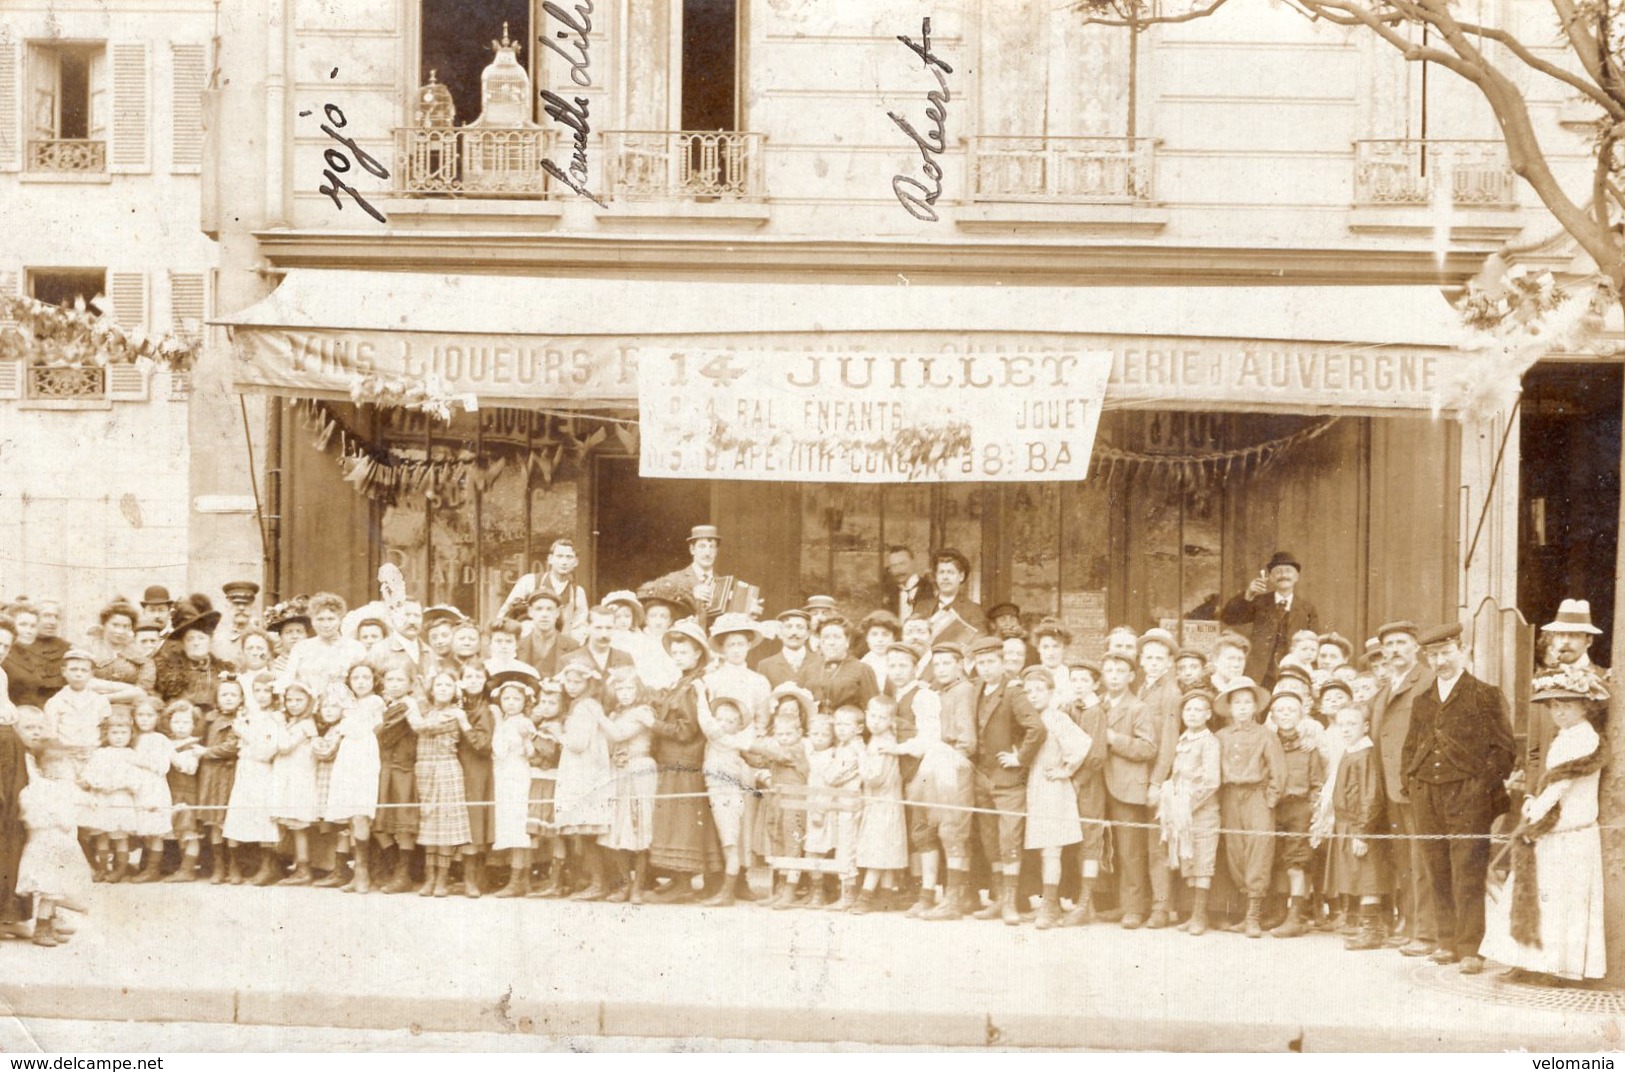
(1275, 611)
(910, 590)
(794, 661)
(1008, 736)
(953, 616)
(1458, 754)
(1390, 724)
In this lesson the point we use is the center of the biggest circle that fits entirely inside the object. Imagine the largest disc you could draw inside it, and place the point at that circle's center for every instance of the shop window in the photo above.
(846, 529)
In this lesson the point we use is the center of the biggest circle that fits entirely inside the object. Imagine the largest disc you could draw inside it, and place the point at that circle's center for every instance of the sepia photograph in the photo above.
(811, 526)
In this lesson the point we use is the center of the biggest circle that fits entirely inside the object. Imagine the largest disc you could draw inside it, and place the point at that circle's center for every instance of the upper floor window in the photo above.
(65, 286)
(455, 47)
(68, 106)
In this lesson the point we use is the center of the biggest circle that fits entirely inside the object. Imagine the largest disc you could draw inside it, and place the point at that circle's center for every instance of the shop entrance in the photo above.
(640, 527)
(1569, 491)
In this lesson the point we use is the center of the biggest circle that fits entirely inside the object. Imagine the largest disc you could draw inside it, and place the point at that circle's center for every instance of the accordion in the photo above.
(731, 595)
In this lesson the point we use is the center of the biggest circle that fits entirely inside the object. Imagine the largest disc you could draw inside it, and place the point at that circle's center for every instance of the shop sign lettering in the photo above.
(870, 417)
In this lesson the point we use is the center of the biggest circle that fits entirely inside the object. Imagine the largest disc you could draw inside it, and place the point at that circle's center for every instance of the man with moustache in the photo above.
(1390, 725)
(794, 661)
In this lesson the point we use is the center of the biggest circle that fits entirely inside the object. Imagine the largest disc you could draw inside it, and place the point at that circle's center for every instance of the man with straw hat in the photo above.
(1570, 633)
(1457, 757)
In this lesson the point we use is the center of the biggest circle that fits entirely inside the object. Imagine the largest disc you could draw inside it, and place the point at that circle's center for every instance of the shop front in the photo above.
(1234, 421)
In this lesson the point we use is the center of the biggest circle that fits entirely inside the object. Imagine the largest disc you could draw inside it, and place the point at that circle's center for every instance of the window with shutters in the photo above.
(67, 108)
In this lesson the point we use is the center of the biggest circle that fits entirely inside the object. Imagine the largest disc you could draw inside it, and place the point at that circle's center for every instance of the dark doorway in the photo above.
(640, 527)
(1569, 491)
(710, 38)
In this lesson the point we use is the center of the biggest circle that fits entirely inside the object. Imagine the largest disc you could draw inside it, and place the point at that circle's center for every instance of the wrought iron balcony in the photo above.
(683, 165)
(72, 155)
(1071, 170)
(58, 382)
(471, 161)
(1396, 172)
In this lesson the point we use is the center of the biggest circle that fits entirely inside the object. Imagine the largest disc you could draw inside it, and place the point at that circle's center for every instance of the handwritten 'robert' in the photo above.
(912, 194)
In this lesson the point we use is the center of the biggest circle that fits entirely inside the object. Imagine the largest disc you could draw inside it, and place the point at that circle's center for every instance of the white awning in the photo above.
(575, 342)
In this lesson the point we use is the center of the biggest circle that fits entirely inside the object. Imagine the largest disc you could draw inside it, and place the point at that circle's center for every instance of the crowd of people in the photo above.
(927, 756)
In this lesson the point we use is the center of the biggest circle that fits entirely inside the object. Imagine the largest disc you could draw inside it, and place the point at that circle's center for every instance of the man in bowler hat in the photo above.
(1274, 610)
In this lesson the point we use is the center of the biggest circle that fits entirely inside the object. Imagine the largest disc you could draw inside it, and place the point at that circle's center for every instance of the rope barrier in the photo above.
(928, 806)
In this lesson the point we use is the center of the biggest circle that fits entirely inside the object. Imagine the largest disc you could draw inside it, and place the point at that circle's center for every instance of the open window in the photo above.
(68, 108)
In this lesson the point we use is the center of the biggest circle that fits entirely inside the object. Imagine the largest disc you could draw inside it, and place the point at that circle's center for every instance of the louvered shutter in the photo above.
(128, 294)
(8, 289)
(189, 73)
(11, 119)
(186, 304)
(11, 372)
(131, 150)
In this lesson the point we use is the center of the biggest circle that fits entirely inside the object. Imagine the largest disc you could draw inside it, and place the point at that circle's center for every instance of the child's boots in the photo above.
(300, 876)
(995, 900)
(471, 877)
(724, 896)
(335, 879)
(269, 866)
(1197, 923)
(217, 870)
(1293, 926)
(849, 896)
(864, 904)
(187, 872)
(1049, 910)
(951, 906)
(924, 903)
(1083, 913)
(1007, 903)
(45, 933)
(518, 883)
(361, 880)
(121, 866)
(1370, 934)
(1250, 926)
(150, 862)
(442, 876)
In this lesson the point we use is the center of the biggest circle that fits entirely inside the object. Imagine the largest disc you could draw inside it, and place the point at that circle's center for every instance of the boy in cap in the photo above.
(1008, 737)
(1160, 693)
(1131, 744)
(1252, 777)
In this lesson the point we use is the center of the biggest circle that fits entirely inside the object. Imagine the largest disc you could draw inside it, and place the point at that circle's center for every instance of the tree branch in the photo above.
(1583, 44)
(1382, 28)
(1613, 107)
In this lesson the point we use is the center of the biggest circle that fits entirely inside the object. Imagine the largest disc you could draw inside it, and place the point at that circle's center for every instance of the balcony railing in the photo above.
(477, 162)
(1075, 170)
(683, 165)
(76, 155)
(66, 382)
(1408, 171)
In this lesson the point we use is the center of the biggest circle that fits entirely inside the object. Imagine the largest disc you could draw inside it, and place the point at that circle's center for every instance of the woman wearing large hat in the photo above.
(186, 667)
(685, 839)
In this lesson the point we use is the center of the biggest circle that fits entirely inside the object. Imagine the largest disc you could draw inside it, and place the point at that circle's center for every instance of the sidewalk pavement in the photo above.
(306, 957)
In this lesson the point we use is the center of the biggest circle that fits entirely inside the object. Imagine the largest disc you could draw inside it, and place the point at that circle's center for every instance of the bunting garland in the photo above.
(389, 474)
(1194, 472)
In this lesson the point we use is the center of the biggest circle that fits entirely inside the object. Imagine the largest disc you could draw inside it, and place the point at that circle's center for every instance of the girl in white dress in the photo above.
(248, 811)
(293, 777)
(154, 753)
(1546, 923)
(513, 693)
(352, 794)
